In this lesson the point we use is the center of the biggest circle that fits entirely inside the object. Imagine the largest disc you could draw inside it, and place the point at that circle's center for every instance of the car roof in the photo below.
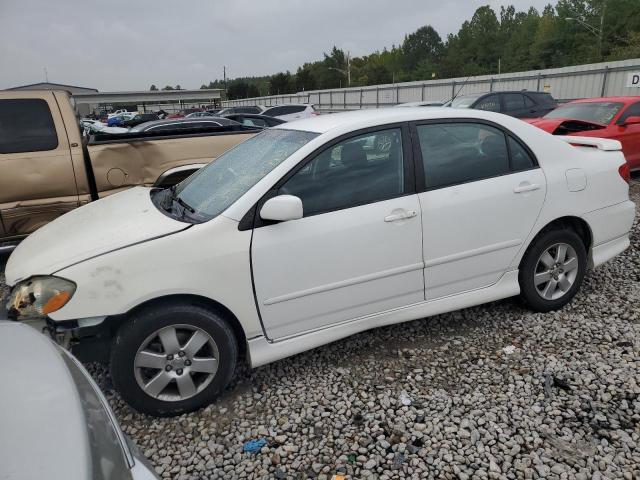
(290, 105)
(40, 407)
(424, 103)
(373, 117)
(182, 121)
(620, 99)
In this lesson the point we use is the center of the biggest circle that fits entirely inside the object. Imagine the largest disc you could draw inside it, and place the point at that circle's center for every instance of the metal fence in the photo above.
(566, 83)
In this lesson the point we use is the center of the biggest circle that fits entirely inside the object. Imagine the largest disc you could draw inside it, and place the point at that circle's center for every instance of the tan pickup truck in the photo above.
(47, 167)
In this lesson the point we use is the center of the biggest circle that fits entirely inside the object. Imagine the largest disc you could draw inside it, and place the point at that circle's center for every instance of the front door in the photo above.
(483, 193)
(358, 249)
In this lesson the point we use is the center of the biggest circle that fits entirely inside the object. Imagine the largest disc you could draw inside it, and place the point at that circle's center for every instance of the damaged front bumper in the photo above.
(89, 339)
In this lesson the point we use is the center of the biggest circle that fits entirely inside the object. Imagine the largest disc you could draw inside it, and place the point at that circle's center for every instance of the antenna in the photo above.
(46, 76)
(460, 89)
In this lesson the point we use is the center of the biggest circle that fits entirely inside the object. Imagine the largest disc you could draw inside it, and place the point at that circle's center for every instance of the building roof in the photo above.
(52, 86)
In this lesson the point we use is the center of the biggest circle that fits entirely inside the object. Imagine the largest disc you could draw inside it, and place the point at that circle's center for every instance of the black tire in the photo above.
(528, 291)
(140, 326)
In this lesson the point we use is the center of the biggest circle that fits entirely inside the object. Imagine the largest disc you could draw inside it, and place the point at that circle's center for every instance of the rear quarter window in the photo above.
(26, 125)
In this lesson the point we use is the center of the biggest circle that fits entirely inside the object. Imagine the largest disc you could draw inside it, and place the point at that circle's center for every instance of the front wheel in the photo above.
(552, 270)
(171, 359)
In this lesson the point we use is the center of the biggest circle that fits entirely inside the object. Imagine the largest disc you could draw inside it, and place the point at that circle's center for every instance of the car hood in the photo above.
(564, 126)
(114, 222)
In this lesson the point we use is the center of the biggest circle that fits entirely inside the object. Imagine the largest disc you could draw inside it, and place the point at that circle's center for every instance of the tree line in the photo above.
(571, 33)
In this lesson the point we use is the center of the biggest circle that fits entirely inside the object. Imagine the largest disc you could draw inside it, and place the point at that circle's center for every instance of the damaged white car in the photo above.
(316, 230)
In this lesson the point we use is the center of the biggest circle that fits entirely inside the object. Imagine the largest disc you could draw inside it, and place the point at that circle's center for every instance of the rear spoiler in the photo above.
(599, 143)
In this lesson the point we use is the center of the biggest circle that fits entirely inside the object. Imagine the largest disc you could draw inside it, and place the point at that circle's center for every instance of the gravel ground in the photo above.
(488, 392)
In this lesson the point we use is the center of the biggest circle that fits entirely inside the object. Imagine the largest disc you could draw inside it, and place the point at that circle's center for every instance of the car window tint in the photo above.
(490, 103)
(455, 153)
(513, 101)
(294, 109)
(26, 125)
(363, 169)
(273, 112)
(520, 158)
(632, 111)
(528, 102)
(252, 122)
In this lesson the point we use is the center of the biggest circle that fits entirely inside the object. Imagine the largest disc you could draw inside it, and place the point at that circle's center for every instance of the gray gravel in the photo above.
(434, 398)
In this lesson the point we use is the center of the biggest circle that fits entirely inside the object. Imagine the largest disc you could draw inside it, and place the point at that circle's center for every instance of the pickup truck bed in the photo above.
(48, 168)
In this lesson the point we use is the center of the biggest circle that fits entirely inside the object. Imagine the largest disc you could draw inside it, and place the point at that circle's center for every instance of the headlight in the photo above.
(39, 296)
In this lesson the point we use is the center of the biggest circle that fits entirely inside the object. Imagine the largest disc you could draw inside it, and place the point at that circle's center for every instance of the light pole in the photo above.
(347, 72)
(598, 32)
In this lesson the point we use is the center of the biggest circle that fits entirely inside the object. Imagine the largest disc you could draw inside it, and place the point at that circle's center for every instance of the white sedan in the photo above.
(315, 230)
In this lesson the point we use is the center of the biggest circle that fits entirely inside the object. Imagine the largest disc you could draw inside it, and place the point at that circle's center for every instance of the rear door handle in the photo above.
(400, 216)
(526, 187)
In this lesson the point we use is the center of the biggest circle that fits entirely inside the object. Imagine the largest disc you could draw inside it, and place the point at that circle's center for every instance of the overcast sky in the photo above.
(116, 45)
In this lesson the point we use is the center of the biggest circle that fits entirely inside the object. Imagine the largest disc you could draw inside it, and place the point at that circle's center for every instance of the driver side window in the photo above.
(360, 170)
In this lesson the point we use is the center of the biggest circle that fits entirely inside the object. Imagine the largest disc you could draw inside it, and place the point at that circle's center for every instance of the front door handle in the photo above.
(526, 187)
(400, 215)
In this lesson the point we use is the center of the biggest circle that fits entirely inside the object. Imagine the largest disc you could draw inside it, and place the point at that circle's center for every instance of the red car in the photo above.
(607, 117)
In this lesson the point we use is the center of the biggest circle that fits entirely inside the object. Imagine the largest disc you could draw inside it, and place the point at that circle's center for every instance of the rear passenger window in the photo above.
(360, 170)
(293, 109)
(273, 112)
(513, 101)
(454, 153)
(26, 125)
(491, 103)
(520, 158)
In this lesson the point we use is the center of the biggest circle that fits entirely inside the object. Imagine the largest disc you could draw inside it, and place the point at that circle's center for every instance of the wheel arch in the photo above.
(577, 224)
(115, 322)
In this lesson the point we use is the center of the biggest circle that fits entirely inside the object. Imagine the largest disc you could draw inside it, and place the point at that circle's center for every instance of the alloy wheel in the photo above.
(556, 271)
(176, 362)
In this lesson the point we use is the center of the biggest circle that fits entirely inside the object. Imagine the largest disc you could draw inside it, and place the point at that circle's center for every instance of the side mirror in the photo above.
(632, 120)
(282, 208)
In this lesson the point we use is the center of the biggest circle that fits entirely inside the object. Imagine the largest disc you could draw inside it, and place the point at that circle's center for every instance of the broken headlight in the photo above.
(39, 296)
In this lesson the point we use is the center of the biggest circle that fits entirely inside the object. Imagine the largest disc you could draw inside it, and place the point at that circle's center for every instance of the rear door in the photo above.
(358, 249)
(513, 104)
(482, 191)
(37, 182)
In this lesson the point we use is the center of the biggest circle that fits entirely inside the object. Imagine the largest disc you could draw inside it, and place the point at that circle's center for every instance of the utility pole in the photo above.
(499, 65)
(600, 33)
(224, 76)
(46, 76)
(348, 69)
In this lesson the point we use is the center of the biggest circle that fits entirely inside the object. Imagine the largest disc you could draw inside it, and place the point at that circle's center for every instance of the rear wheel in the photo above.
(552, 270)
(172, 359)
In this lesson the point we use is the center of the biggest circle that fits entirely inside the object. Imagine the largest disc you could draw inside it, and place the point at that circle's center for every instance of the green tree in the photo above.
(281, 83)
(153, 88)
(424, 45)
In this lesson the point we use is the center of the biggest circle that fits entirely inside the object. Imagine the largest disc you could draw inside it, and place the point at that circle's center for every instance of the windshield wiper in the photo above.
(183, 204)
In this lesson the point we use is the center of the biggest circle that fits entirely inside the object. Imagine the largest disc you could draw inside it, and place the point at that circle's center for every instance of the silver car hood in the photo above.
(43, 432)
